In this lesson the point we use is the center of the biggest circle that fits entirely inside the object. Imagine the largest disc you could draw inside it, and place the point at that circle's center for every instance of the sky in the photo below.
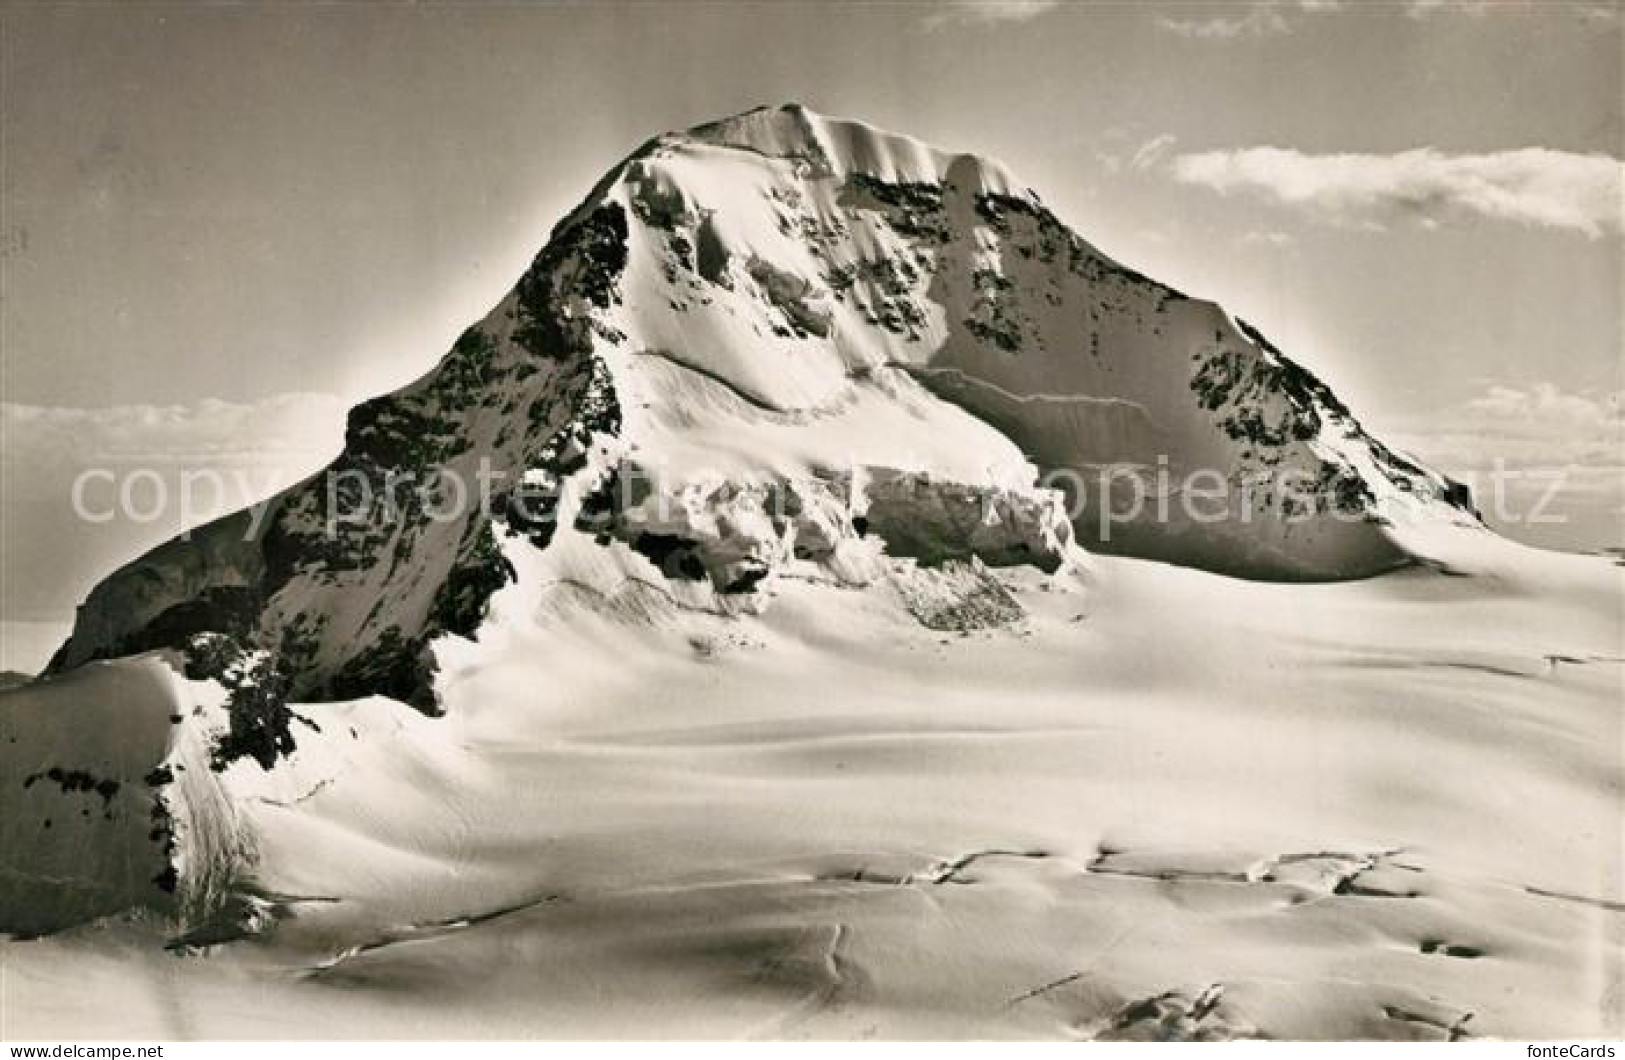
(221, 225)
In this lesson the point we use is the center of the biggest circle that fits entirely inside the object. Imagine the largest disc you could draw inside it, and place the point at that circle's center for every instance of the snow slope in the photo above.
(1162, 803)
(109, 801)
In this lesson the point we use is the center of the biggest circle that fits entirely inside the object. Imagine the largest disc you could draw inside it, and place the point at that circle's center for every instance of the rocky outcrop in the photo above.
(347, 576)
(733, 536)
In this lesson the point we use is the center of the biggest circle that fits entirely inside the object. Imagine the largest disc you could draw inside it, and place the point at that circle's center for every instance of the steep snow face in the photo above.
(799, 260)
(109, 801)
(703, 376)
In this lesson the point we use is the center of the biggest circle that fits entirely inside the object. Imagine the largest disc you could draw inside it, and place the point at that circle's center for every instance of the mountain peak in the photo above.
(841, 147)
(778, 346)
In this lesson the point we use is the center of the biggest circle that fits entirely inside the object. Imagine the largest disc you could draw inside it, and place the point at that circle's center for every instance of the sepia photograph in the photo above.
(973, 521)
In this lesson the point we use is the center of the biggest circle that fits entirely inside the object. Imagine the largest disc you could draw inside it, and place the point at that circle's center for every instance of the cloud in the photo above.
(1266, 18)
(292, 428)
(1278, 240)
(1260, 20)
(1274, 18)
(987, 12)
(1119, 151)
(1533, 186)
(1424, 8)
(1151, 152)
(182, 465)
(1539, 424)
(1596, 12)
(1601, 13)
(1546, 406)
(1557, 452)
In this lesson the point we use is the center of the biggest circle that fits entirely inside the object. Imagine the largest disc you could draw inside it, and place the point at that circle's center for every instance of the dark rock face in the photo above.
(521, 390)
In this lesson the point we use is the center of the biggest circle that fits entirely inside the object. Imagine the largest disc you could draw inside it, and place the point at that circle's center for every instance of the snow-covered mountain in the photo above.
(795, 430)
(798, 332)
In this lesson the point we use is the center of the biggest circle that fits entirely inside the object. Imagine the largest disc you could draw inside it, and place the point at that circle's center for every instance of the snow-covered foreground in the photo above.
(1163, 803)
